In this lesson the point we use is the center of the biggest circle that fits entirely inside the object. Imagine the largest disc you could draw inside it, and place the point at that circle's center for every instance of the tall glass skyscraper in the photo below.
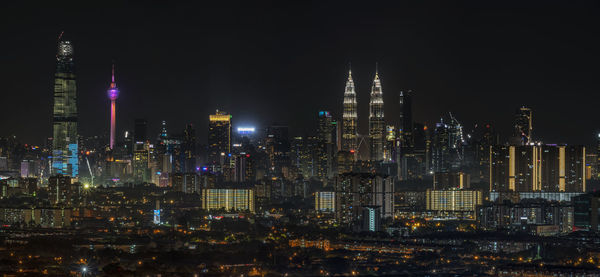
(219, 137)
(523, 125)
(376, 120)
(350, 117)
(406, 123)
(65, 158)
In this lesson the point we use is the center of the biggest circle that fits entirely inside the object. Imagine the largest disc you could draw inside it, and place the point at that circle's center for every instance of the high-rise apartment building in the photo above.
(356, 190)
(532, 168)
(324, 201)
(451, 180)
(229, 199)
(186, 182)
(586, 215)
(239, 168)
(371, 219)
(453, 200)
(62, 190)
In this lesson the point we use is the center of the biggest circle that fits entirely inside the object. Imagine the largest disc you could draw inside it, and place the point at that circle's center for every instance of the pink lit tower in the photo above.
(113, 94)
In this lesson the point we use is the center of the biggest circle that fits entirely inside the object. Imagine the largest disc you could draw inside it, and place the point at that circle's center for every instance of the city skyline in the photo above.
(317, 139)
(250, 97)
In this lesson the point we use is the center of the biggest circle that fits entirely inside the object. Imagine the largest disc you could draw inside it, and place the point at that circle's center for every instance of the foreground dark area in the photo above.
(118, 238)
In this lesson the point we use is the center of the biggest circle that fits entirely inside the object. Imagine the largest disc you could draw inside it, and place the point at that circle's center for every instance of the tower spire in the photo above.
(113, 84)
(376, 70)
(349, 70)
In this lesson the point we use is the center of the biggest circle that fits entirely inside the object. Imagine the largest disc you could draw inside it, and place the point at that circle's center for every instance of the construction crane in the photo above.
(457, 145)
(360, 142)
(90, 169)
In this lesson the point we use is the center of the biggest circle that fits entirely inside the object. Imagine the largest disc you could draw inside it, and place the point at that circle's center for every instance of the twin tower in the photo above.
(350, 138)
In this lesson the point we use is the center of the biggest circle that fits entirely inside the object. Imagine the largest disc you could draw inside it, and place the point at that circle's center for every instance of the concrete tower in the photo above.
(113, 94)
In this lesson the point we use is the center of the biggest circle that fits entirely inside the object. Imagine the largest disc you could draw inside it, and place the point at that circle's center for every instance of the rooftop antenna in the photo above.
(58, 40)
(113, 70)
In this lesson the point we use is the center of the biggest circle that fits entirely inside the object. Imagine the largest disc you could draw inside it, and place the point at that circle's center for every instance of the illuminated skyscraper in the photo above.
(278, 146)
(304, 155)
(64, 144)
(326, 127)
(350, 117)
(389, 147)
(163, 131)
(326, 151)
(189, 148)
(219, 137)
(406, 123)
(113, 94)
(141, 159)
(523, 125)
(440, 155)
(376, 120)
(447, 146)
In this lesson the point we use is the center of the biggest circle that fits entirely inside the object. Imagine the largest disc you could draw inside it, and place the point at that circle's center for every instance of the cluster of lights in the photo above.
(246, 130)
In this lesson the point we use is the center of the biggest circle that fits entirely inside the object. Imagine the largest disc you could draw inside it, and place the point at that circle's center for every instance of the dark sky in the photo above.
(282, 62)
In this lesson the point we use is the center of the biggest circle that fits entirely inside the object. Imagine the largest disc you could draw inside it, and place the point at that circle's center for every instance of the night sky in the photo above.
(280, 63)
